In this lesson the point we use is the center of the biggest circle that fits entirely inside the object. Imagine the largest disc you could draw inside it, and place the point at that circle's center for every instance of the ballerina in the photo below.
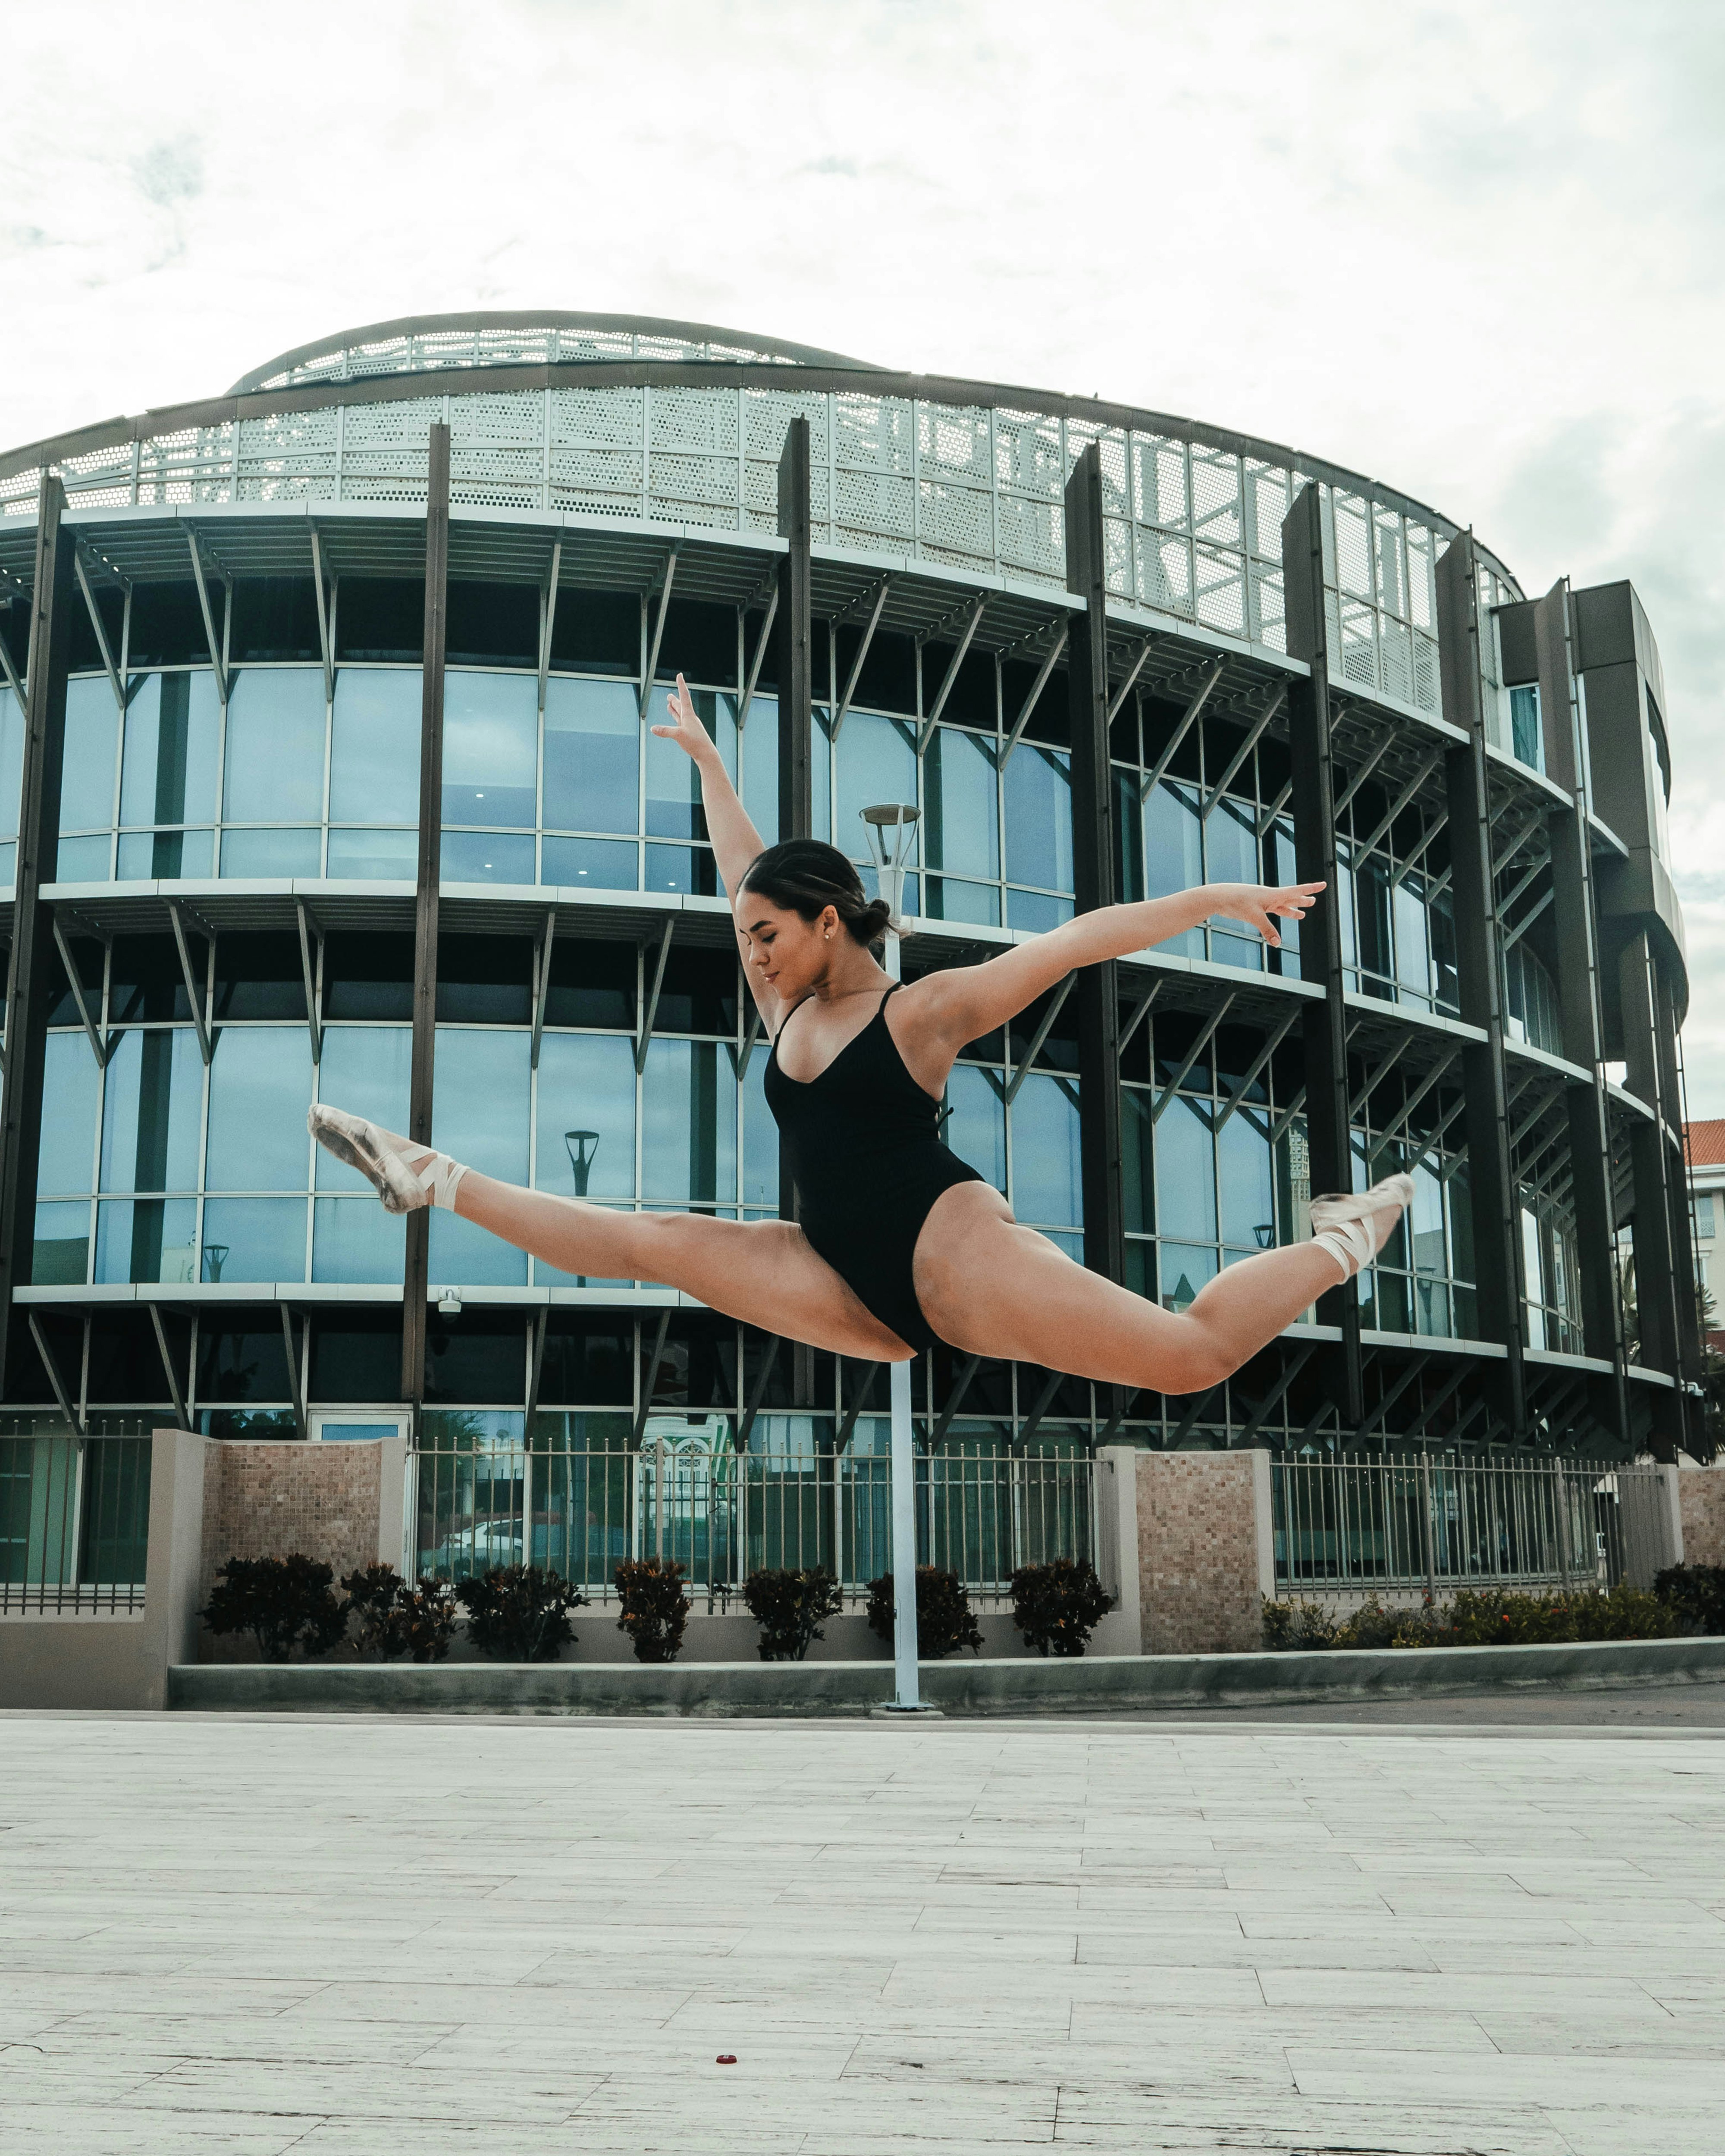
(900, 1244)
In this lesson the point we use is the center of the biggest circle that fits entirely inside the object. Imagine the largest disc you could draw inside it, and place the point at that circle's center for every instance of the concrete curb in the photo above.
(960, 1686)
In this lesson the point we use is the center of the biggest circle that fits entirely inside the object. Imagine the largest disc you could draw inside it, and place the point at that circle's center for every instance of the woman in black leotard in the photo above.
(899, 1244)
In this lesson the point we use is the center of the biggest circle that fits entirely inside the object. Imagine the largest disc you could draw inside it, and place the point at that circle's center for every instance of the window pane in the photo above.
(760, 1138)
(151, 1112)
(1173, 855)
(274, 854)
(255, 1239)
(688, 1124)
(1242, 1186)
(673, 790)
(1046, 1183)
(961, 833)
(83, 860)
(1039, 817)
(877, 761)
(490, 749)
(976, 1129)
(486, 857)
(480, 1112)
(759, 752)
(162, 853)
(1137, 1157)
(273, 770)
(602, 864)
(1185, 1268)
(1036, 911)
(464, 1255)
(260, 1089)
(61, 1256)
(353, 1239)
(385, 856)
(365, 1070)
(87, 779)
(1185, 1174)
(592, 731)
(12, 762)
(169, 772)
(950, 900)
(67, 1158)
(586, 1145)
(148, 1238)
(374, 761)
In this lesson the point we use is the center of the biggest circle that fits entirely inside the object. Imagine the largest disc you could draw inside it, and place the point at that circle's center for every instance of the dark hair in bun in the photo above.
(806, 875)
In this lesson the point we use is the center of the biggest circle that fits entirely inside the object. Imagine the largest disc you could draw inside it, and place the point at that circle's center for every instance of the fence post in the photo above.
(1428, 1529)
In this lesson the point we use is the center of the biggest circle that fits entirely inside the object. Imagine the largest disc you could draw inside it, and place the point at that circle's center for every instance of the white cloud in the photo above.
(1472, 252)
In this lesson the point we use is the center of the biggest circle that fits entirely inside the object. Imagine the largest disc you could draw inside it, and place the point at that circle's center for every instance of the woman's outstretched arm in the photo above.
(966, 1002)
(736, 841)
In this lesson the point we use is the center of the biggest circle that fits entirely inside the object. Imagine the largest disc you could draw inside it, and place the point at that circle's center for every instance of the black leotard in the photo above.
(861, 1140)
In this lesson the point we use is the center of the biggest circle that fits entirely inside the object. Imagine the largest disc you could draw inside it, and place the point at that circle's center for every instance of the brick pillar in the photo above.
(1205, 1552)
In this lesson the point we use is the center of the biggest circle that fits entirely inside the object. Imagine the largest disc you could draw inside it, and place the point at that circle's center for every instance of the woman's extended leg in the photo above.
(762, 1271)
(990, 1287)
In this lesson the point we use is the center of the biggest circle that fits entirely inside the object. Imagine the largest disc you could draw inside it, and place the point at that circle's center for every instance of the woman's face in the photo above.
(780, 948)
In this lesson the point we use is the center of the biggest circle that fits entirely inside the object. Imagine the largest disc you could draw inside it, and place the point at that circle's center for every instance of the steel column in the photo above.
(795, 638)
(1492, 1184)
(28, 972)
(1097, 994)
(1661, 1257)
(1327, 1137)
(1575, 914)
(416, 1283)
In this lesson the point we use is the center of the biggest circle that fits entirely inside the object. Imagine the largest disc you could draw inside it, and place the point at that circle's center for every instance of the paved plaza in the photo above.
(502, 1937)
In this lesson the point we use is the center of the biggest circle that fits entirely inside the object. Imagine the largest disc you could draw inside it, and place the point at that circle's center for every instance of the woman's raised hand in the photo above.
(686, 730)
(1263, 904)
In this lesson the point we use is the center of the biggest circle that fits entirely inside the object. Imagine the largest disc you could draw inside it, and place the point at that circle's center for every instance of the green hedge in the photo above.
(1476, 1617)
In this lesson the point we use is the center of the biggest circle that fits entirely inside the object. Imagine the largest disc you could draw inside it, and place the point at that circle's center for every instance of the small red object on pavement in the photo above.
(726, 2059)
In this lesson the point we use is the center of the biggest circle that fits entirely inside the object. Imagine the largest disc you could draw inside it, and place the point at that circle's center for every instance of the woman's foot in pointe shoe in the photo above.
(405, 1176)
(1354, 1228)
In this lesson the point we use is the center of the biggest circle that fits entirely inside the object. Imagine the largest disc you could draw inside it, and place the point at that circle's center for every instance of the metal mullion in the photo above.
(1267, 820)
(1246, 748)
(1238, 1096)
(547, 623)
(1502, 861)
(1041, 1035)
(101, 633)
(1050, 661)
(1509, 936)
(210, 623)
(1406, 868)
(1377, 1078)
(1362, 773)
(926, 733)
(1206, 1035)
(1284, 1123)
(1140, 658)
(96, 1046)
(881, 590)
(1432, 1077)
(1401, 801)
(1188, 718)
(1141, 1011)
(1520, 884)
(760, 643)
(651, 667)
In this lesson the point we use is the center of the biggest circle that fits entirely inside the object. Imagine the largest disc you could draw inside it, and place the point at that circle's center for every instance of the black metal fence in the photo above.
(74, 1520)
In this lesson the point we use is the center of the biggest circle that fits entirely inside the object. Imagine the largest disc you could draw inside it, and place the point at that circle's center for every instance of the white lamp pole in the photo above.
(891, 832)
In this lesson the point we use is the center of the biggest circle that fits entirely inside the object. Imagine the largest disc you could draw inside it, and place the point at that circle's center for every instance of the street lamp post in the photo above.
(891, 830)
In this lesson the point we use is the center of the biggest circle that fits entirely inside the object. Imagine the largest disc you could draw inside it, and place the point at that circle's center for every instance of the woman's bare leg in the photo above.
(990, 1287)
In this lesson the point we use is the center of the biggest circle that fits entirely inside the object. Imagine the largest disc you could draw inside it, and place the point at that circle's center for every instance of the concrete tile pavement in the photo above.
(354, 1935)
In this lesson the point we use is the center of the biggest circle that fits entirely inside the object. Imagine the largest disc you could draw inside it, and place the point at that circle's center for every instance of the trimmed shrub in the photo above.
(790, 1608)
(284, 1602)
(1475, 1617)
(371, 1611)
(654, 1609)
(519, 1613)
(1695, 1592)
(944, 1621)
(426, 1615)
(1057, 1606)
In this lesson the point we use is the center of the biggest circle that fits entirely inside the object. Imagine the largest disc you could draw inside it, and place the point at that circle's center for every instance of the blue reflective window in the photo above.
(61, 1255)
(12, 762)
(491, 749)
(255, 1239)
(673, 792)
(272, 769)
(975, 1128)
(353, 1239)
(961, 813)
(366, 1070)
(1185, 1268)
(266, 853)
(148, 1238)
(87, 772)
(592, 745)
(601, 864)
(374, 750)
(760, 1138)
(1173, 855)
(171, 854)
(758, 752)
(480, 1115)
(1245, 1186)
(67, 1158)
(1046, 1179)
(585, 1144)
(877, 761)
(168, 773)
(688, 1124)
(1231, 856)
(487, 857)
(1036, 911)
(151, 1110)
(260, 1090)
(464, 1255)
(1185, 1174)
(382, 856)
(83, 860)
(1038, 788)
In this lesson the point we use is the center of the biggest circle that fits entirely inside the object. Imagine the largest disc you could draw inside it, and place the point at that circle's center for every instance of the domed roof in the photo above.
(419, 344)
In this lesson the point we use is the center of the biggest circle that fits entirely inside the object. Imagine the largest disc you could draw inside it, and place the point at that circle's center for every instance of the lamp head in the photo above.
(892, 840)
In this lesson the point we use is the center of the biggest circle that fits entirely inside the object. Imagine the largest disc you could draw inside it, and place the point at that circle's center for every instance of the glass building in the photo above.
(323, 776)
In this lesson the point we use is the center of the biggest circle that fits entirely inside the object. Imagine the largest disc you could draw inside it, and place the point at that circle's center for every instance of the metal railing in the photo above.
(722, 1514)
(1433, 1523)
(75, 1522)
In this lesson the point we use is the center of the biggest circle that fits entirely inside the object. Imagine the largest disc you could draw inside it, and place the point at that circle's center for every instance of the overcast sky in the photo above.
(1474, 251)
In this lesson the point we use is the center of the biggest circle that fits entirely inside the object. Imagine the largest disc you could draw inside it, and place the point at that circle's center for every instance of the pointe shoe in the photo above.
(403, 1187)
(1354, 1228)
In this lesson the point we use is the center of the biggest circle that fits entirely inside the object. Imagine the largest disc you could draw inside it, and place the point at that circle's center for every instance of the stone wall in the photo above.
(1701, 1501)
(272, 1500)
(1203, 1523)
